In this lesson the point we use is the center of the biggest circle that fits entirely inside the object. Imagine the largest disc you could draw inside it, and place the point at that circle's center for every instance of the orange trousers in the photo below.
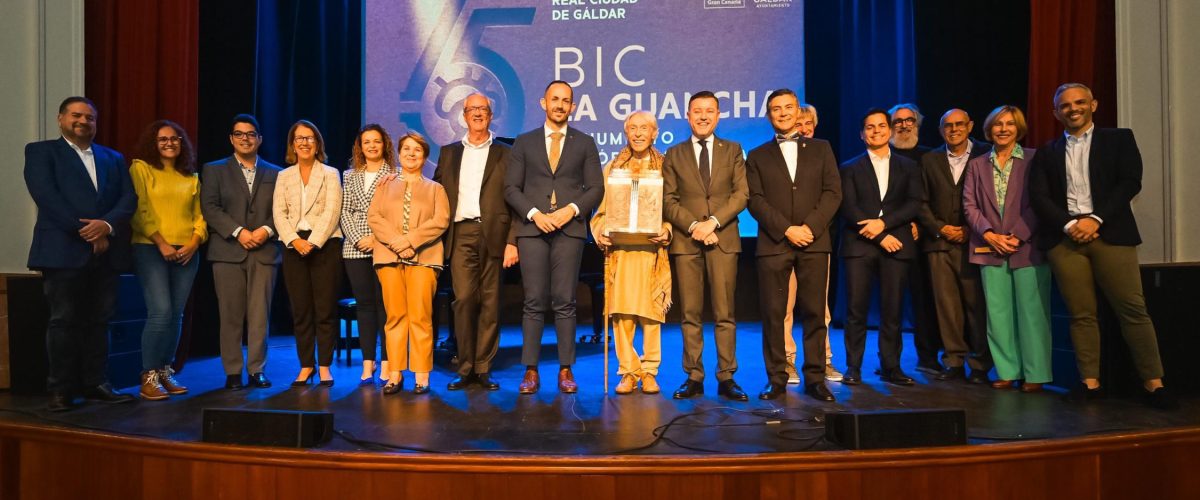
(408, 299)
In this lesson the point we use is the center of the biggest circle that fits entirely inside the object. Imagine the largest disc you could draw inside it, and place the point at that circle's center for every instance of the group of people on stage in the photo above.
(978, 227)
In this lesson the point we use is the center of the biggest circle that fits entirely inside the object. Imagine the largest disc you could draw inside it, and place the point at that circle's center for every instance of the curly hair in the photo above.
(147, 147)
(360, 159)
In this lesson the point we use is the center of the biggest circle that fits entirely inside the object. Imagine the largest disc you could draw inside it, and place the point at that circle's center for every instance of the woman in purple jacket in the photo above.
(1016, 280)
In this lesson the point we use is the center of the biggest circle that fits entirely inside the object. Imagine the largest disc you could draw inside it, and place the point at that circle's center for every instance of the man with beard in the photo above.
(958, 290)
(554, 182)
(1082, 184)
(906, 127)
(795, 191)
(84, 199)
(479, 242)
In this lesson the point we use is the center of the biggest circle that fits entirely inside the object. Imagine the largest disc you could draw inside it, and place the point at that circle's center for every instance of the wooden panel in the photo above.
(1162, 472)
(5, 366)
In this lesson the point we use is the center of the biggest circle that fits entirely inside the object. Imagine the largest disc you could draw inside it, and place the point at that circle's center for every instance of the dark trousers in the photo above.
(312, 283)
(891, 274)
(926, 332)
(368, 299)
(81, 304)
(961, 311)
(716, 270)
(812, 274)
(549, 273)
(475, 277)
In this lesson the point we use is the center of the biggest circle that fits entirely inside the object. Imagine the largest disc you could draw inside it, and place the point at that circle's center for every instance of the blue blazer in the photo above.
(63, 192)
(860, 201)
(528, 181)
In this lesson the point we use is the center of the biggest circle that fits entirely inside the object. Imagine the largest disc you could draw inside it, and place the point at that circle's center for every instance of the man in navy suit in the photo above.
(1082, 184)
(85, 199)
(553, 182)
(881, 195)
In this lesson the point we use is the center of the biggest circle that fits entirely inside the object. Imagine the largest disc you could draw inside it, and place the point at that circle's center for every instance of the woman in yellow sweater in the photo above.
(167, 230)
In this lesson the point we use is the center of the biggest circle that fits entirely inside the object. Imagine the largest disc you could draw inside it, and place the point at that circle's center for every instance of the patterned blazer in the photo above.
(356, 199)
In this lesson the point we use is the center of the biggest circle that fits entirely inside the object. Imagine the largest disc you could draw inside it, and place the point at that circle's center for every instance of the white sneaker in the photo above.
(793, 375)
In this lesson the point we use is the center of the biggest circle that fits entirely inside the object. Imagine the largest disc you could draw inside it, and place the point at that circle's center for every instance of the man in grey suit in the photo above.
(235, 197)
(704, 190)
(553, 182)
(956, 287)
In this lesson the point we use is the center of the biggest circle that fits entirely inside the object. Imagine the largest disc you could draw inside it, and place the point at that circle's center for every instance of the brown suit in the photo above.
(688, 200)
(476, 249)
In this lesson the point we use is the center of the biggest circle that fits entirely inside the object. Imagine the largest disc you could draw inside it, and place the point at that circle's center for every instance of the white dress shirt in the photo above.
(882, 167)
(958, 164)
(789, 149)
(1079, 182)
(470, 178)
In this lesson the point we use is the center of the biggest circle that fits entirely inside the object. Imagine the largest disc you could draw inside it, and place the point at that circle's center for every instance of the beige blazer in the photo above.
(322, 208)
(429, 216)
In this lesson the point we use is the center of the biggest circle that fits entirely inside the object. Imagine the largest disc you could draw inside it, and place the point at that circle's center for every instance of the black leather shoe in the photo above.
(326, 383)
(730, 390)
(105, 394)
(259, 380)
(234, 382)
(689, 389)
(459, 383)
(1081, 394)
(819, 392)
(485, 381)
(392, 388)
(853, 376)
(771, 391)
(420, 389)
(1160, 399)
(979, 377)
(896, 376)
(930, 367)
(952, 373)
(60, 401)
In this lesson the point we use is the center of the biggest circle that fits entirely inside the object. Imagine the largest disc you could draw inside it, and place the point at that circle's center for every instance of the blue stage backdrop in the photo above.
(422, 58)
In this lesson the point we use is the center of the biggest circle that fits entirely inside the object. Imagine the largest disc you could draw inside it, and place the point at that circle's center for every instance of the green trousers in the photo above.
(1018, 321)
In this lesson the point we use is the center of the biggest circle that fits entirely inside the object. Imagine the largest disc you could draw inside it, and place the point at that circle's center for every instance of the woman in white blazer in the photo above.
(307, 206)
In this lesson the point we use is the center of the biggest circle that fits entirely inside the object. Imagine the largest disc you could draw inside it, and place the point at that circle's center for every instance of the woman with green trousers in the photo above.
(1016, 279)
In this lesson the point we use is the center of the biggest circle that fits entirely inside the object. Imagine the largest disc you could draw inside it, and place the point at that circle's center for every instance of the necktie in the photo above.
(780, 138)
(705, 174)
(555, 152)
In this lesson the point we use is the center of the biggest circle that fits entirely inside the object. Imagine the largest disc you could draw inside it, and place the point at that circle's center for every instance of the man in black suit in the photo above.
(554, 182)
(906, 128)
(481, 239)
(795, 191)
(1082, 185)
(235, 198)
(84, 199)
(881, 194)
(956, 286)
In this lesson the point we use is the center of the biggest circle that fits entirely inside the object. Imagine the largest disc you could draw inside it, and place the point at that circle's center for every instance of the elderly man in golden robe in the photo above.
(637, 277)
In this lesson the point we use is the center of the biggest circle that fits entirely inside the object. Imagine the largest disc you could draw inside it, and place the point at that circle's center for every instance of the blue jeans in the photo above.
(166, 286)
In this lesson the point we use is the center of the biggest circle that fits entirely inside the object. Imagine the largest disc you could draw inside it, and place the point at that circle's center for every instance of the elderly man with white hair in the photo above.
(637, 277)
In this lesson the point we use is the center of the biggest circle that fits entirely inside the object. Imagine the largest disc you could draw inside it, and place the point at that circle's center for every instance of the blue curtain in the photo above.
(309, 65)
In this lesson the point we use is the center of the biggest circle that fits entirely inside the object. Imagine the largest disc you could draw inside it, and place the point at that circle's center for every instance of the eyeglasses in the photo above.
(238, 134)
(473, 109)
(954, 125)
(905, 121)
(170, 140)
(304, 139)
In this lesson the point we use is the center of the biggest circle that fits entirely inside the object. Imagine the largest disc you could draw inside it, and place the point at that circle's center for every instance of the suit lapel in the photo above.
(1096, 155)
(1015, 186)
(102, 164)
(893, 172)
(945, 171)
(316, 177)
(489, 166)
(73, 158)
(1059, 151)
(873, 186)
(777, 157)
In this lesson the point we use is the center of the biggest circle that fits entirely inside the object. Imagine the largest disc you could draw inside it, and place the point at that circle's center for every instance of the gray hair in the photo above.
(909, 106)
(1072, 85)
(640, 112)
(809, 109)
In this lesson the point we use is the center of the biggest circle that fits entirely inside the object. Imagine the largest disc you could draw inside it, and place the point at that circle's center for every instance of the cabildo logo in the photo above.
(431, 103)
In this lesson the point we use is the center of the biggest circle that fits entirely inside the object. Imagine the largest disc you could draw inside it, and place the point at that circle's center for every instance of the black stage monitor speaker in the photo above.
(296, 429)
(866, 430)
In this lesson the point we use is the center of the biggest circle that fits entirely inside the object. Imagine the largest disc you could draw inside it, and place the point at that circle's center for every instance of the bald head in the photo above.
(956, 128)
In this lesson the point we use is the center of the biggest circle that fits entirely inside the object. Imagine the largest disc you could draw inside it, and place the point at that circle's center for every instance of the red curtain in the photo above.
(141, 64)
(1070, 41)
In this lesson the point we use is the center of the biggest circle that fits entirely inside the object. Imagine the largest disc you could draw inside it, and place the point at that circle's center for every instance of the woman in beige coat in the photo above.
(306, 207)
(408, 215)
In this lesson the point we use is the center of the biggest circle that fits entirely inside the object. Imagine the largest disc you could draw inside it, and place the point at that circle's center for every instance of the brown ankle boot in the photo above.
(166, 377)
(152, 389)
